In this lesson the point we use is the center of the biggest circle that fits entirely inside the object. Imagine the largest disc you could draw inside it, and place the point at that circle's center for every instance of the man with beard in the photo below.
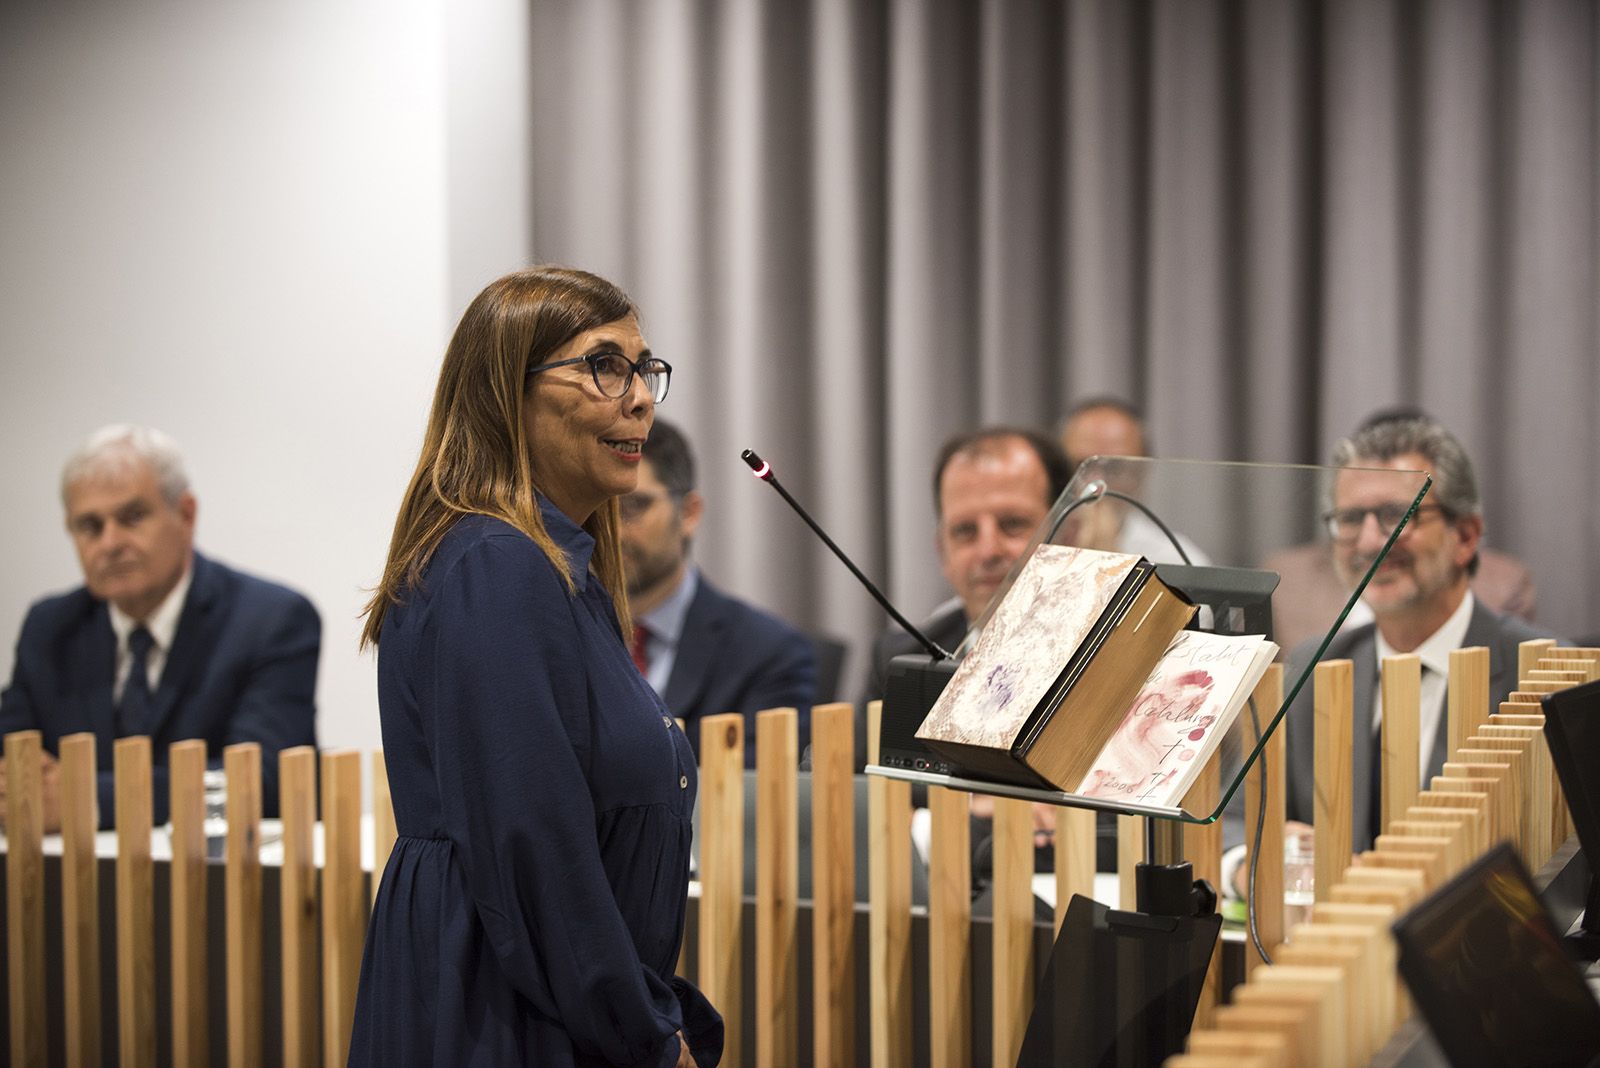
(1420, 598)
(704, 652)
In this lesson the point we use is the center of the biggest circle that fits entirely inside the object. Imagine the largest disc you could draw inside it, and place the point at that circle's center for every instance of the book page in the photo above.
(1184, 708)
(1045, 616)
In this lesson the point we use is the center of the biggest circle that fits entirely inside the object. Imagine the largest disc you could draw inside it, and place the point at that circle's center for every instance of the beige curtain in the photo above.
(856, 227)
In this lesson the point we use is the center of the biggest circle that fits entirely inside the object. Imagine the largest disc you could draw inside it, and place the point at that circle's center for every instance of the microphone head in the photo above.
(759, 467)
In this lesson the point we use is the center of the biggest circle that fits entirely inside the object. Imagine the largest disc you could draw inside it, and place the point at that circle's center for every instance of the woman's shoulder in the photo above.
(486, 541)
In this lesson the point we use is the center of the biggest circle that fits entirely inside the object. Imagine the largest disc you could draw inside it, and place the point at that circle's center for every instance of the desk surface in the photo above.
(105, 843)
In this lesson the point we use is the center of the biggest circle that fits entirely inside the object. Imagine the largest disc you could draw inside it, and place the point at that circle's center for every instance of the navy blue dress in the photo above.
(533, 907)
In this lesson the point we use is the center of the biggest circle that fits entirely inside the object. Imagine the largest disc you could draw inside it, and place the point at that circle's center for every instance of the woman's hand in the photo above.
(685, 1058)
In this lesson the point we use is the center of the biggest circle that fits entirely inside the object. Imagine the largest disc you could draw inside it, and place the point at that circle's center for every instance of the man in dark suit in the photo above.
(1421, 600)
(991, 490)
(704, 652)
(159, 641)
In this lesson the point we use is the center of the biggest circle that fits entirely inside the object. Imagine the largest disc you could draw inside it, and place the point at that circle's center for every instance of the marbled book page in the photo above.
(1047, 613)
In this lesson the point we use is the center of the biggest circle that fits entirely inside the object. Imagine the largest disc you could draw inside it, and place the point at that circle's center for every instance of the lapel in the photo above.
(1364, 689)
(191, 645)
(94, 661)
(697, 650)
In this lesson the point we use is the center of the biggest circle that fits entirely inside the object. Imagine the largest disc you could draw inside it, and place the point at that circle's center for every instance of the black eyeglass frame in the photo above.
(635, 368)
(1330, 519)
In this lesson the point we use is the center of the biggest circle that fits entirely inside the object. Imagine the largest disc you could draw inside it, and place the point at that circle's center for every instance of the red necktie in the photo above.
(637, 649)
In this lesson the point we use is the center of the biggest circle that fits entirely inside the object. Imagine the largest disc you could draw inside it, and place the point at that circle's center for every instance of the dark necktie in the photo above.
(637, 649)
(133, 714)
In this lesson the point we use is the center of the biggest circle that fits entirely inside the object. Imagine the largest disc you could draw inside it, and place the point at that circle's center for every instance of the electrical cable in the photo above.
(1255, 848)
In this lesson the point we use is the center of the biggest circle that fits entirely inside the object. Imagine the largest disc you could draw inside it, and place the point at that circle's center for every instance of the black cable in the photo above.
(1097, 490)
(1255, 848)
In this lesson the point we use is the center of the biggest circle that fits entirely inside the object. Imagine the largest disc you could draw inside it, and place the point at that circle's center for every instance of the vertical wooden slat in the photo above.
(1074, 857)
(1203, 845)
(298, 908)
(721, 949)
(1269, 869)
(1332, 709)
(950, 929)
(1130, 851)
(889, 912)
(1013, 926)
(25, 895)
(777, 887)
(136, 951)
(186, 783)
(833, 885)
(80, 899)
(344, 918)
(242, 882)
(1529, 654)
(1402, 739)
(1467, 700)
(383, 832)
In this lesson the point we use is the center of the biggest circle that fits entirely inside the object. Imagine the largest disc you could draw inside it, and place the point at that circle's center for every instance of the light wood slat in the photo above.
(1402, 733)
(1074, 857)
(136, 951)
(1013, 926)
(1467, 700)
(344, 901)
(1269, 869)
(383, 832)
(80, 900)
(299, 909)
(1470, 820)
(1505, 817)
(1130, 851)
(1239, 1048)
(833, 885)
(1534, 770)
(1530, 652)
(242, 882)
(1360, 1009)
(889, 912)
(777, 887)
(25, 896)
(1203, 845)
(191, 988)
(1333, 712)
(950, 929)
(721, 949)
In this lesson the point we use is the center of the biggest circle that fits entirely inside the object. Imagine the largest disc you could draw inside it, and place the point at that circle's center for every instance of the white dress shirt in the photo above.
(163, 627)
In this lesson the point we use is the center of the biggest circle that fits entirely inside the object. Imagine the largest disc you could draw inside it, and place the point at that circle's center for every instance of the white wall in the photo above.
(253, 225)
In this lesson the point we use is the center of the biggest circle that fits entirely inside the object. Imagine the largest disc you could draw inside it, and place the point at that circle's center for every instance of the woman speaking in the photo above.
(533, 906)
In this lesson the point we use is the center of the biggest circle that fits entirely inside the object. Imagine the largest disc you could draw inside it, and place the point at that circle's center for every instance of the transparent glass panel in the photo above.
(1276, 518)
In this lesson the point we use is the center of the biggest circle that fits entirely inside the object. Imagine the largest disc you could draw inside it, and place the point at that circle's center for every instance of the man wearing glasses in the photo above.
(704, 652)
(1420, 598)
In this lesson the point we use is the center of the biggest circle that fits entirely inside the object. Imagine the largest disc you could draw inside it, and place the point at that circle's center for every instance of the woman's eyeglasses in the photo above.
(613, 373)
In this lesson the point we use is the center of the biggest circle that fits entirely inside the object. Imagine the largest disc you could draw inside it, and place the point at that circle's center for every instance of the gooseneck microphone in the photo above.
(763, 471)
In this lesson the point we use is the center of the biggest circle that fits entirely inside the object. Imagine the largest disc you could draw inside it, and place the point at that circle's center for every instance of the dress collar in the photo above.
(571, 539)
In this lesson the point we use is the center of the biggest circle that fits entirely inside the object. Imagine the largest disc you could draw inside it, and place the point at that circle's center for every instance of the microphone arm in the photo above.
(1097, 489)
(763, 470)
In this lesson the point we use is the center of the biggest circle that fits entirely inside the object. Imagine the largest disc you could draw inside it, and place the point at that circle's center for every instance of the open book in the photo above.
(1186, 706)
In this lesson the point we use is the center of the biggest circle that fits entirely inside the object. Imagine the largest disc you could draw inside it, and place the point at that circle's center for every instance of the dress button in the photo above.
(667, 720)
(683, 782)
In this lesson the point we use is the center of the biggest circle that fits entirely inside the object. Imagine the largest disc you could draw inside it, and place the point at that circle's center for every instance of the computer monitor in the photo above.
(1485, 965)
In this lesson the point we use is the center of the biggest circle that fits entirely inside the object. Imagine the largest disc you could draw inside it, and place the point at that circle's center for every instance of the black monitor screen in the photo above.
(1485, 965)
(1572, 727)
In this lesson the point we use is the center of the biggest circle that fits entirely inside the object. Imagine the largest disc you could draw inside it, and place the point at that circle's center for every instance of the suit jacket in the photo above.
(1500, 634)
(733, 657)
(242, 668)
(946, 627)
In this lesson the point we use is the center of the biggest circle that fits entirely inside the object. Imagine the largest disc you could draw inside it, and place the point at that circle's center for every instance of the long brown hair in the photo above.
(475, 455)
